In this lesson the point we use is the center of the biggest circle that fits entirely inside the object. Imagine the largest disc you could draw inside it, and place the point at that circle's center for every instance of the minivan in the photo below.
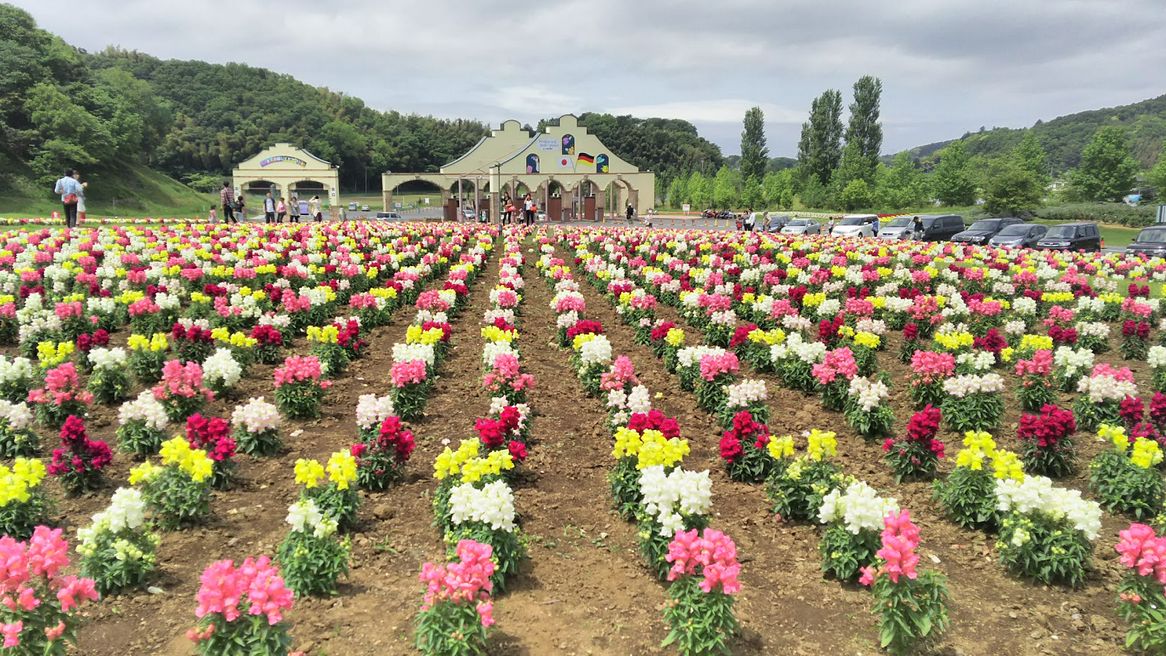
(1151, 241)
(936, 227)
(1072, 237)
(855, 225)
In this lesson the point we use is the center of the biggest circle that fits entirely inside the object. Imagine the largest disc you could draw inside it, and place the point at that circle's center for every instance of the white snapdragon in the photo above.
(965, 385)
(829, 308)
(372, 410)
(304, 516)
(1037, 494)
(414, 352)
(724, 318)
(567, 319)
(673, 496)
(1093, 329)
(493, 315)
(596, 351)
(256, 416)
(491, 350)
(491, 504)
(1103, 387)
(746, 392)
(692, 355)
(1156, 357)
(18, 416)
(1073, 360)
(1015, 327)
(17, 369)
(107, 358)
(859, 507)
(872, 326)
(146, 409)
(869, 394)
(221, 368)
(976, 360)
(1024, 306)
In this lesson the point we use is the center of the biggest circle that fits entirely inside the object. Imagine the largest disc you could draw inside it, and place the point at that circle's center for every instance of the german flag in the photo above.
(584, 158)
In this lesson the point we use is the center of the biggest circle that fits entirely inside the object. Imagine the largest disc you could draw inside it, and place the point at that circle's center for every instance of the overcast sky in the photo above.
(947, 66)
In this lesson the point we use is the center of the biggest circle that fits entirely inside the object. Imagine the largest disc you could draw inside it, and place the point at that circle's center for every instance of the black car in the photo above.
(983, 230)
(1019, 235)
(1072, 237)
(1151, 241)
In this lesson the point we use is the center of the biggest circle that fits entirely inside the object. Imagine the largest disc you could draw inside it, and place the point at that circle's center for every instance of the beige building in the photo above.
(285, 166)
(569, 173)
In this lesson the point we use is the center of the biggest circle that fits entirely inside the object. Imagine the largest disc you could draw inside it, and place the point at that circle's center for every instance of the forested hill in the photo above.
(1064, 138)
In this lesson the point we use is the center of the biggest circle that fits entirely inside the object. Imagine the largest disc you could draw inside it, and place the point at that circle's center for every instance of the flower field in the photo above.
(459, 439)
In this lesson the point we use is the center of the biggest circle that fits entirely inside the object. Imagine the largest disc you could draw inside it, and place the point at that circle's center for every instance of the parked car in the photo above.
(774, 222)
(802, 227)
(468, 213)
(1019, 235)
(984, 230)
(364, 208)
(352, 207)
(855, 225)
(390, 216)
(899, 227)
(1072, 237)
(1150, 241)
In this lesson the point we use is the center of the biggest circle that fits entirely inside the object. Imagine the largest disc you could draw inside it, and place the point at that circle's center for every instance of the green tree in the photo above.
(1010, 188)
(726, 188)
(1031, 156)
(855, 195)
(813, 194)
(677, 191)
(752, 194)
(854, 166)
(754, 154)
(900, 185)
(820, 145)
(952, 181)
(1157, 175)
(864, 129)
(68, 134)
(777, 189)
(1107, 170)
(700, 191)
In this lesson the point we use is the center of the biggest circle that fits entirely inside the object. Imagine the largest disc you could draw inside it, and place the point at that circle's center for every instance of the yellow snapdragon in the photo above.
(821, 444)
(781, 447)
(869, 340)
(309, 473)
(674, 337)
(1146, 453)
(341, 469)
(17, 483)
(449, 463)
(495, 334)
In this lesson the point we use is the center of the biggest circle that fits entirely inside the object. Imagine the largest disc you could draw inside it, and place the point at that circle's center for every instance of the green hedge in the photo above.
(1113, 213)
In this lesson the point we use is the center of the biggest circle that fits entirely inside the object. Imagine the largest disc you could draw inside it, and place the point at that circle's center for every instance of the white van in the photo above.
(855, 225)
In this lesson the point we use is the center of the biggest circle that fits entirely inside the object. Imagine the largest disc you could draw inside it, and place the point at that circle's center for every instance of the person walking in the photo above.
(268, 208)
(314, 209)
(280, 210)
(630, 212)
(917, 228)
(80, 197)
(240, 209)
(227, 198)
(70, 192)
(294, 213)
(527, 210)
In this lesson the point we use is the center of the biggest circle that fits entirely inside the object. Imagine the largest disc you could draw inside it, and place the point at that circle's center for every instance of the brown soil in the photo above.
(584, 589)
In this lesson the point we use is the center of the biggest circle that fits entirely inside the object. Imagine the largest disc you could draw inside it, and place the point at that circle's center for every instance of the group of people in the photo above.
(274, 210)
(72, 193)
(511, 211)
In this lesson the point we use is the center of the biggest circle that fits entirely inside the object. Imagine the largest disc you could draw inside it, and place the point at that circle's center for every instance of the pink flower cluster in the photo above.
(408, 372)
(256, 586)
(1123, 374)
(1041, 364)
(184, 380)
(930, 367)
(838, 362)
(464, 581)
(30, 569)
(62, 385)
(1143, 551)
(900, 539)
(714, 365)
(299, 369)
(621, 374)
(713, 552)
(506, 374)
(432, 301)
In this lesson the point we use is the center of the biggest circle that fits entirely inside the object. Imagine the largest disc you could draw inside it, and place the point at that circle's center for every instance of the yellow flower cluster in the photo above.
(383, 292)
(821, 444)
(157, 342)
(656, 449)
(869, 340)
(323, 334)
(579, 341)
(978, 447)
(309, 473)
(1036, 343)
(449, 463)
(674, 337)
(415, 335)
(1115, 435)
(1056, 297)
(781, 447)
(176, 452)
(342, 469)
(494, 334)
(767, 337)
(814, 300)
(50, 355)
(237, 339)
(475, 469)
(1007, 465)
(954, 341)
(1146, 453)
(17, 483)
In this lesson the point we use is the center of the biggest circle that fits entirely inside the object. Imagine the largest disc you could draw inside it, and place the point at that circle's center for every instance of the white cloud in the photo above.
(729, 110)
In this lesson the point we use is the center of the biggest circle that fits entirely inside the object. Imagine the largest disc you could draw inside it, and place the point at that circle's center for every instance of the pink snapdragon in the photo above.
(930, 367)
(506, 373)
(713, 552)
(181, 380)
(1041, 364)
(621, 374)
(900, 539)
(1142, 550)
(408, 372)
(62, 385)
(714, 365)
(838, 362)
(465, 581)
(299, 369)
(255, 586)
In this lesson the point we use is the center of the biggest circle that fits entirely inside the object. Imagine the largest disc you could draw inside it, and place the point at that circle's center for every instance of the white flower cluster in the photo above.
(145, 409)
(413, 352)
(372, 410)
(748, 391)
(493, 315)
(1093, 329)
(1090, 305)
(829, 308)
(872, 326)
(724, 318)
(961, 386)
(1156, 357)
(1104, 388)
(1024, 306)
(256, 416)
(304, 516)
(491, 350)
(221, 368)
(491, 504)
(15, 369)
(1003, 288)
(796, 323)
(692, 355)
(672, 497)
(976, 360)
(280, 321)
(596, 351)
(1015, 327)
(621, 405)
(567, 319)
(859, 507)
(1037, 494)
(103, 358)
(423, 316)
(18, 416)
(1072, 360)
(796, 346)
(126, 511)
(868, 393)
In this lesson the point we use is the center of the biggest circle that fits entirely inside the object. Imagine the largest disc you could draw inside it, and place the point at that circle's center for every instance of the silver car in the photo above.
(801, 227)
